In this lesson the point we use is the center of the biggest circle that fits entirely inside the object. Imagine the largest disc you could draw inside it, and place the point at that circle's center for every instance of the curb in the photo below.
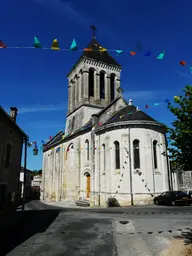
(161, 231)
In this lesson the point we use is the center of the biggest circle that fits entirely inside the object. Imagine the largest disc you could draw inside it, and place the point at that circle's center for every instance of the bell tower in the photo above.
(93, 83)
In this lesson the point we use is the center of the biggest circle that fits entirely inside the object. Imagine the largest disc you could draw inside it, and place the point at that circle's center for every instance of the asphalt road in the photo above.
(134, 231)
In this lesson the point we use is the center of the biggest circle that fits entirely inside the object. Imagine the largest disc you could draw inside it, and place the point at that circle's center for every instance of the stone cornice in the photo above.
(129, 124)
(84, 105)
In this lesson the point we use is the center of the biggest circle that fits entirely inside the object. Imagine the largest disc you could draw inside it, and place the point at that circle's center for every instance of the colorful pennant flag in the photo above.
(37, 43)
(147, 54)
(167, 101)
(55, 45)
(50, 137)
(161, 56)
(2, 45)
(73, 46)
(88, 50)
(182, 62)
(132, 53)
(156, 104)
(146, 106)
(176, 98)
(119, 52)
(102, 49)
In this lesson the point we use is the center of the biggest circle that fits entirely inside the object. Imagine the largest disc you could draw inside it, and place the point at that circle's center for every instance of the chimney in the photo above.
(130, 102)
(13, 113)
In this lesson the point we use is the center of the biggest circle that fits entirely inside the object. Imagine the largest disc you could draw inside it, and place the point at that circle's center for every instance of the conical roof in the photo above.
(96, 54)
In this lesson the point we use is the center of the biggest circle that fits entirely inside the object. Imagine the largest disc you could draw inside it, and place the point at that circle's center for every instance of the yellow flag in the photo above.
(63, 137)
(55, 45)
(101, 49)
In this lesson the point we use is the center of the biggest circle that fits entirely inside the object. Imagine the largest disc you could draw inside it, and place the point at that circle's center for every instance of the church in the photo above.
(110, 148)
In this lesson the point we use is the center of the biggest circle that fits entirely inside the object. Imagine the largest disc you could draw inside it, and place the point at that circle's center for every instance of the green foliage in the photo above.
(36, 172)
(181, 133)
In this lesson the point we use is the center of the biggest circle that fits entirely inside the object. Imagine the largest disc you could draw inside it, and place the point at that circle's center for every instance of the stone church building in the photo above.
(110, 148)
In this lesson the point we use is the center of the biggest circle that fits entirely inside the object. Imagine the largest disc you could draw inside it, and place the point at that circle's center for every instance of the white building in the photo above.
(37, 181)
(28, 181)
(110, 148)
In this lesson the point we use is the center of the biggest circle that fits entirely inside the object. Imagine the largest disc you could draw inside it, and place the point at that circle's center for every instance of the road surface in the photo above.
(134, 231)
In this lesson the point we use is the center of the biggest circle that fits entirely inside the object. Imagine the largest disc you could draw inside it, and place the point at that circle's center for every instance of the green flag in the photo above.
(37, 43)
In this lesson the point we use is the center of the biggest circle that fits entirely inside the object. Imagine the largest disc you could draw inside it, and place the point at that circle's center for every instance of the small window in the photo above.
(91, 82)
(87, 150)
(117, 155)
(8, 155)
(102, 85)
(155, 153)
(104, 157)
(136, 154)
(112, 86)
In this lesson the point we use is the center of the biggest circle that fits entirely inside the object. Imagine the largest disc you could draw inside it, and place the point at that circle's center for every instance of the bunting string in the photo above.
(73, 47)
(62, 137)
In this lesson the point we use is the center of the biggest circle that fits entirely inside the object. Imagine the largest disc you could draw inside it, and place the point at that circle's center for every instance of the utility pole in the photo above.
(130, 169)
(25, 174)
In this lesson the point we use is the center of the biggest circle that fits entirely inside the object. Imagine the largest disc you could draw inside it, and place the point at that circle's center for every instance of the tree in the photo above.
(180, 135)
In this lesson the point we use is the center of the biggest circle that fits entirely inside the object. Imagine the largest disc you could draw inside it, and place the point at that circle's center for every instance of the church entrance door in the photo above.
(88, 185)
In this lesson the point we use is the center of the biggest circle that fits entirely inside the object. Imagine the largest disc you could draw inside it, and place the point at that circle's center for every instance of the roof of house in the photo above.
(109, 105)
(16, 125)
(129, 113)
(27, 170)
(56, 138)
(96, 54)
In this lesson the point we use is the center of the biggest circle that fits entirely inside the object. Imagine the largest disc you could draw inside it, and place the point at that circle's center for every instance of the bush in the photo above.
(112, 202)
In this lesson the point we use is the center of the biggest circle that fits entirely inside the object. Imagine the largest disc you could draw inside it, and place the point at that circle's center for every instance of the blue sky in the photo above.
(34, 80)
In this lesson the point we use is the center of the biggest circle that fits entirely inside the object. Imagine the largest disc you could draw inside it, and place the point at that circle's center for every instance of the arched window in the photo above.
(112, 86)
(117, 155)
(73, 124)
(104, 157)
(8, 155)
(155, 153)
(91, 82)
(136, 155)
(102, 85)
(87, 150)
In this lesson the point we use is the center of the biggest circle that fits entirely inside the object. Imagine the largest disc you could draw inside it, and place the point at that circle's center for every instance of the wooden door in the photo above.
(88, 186)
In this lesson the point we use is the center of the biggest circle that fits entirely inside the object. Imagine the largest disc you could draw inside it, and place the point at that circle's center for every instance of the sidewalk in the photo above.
(66, 204)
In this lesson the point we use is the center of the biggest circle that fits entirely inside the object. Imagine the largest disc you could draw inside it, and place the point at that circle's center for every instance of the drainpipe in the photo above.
(170, 181)
(99, 173)
(153, 168)
(130, 166)
(168, 167)
(25, 174)
(79, 152)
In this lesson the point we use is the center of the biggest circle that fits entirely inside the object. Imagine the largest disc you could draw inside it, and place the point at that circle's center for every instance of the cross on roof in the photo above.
(93, 28)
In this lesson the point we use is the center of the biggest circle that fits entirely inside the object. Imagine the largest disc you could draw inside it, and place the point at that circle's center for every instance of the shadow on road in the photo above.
(29, 223)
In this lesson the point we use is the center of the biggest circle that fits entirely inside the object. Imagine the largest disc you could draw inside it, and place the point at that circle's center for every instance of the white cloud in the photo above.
(41, 108)
(68, 11)
(63, 8)
(184, 74)
(43, 125)
(145, 94)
